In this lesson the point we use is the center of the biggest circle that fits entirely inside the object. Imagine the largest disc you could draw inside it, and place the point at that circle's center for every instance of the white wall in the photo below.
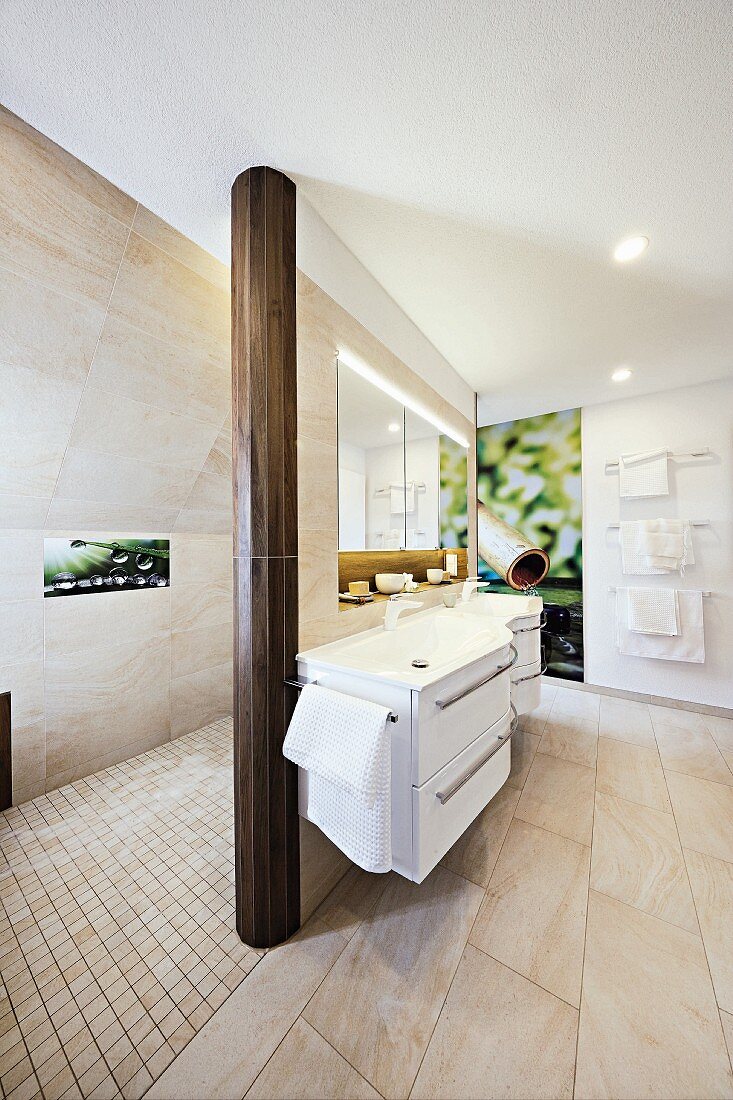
(328, 262)
(683, 419)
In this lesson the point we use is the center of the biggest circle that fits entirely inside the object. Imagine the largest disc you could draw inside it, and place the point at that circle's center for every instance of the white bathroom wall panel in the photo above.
(683, 419)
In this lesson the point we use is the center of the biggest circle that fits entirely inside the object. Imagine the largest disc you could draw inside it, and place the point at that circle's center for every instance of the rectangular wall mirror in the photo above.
(390, 483)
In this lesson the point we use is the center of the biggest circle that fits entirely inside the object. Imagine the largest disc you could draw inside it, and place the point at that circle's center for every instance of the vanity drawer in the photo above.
(444, 807)
(526, 686)
(527, 640)
(448, 716)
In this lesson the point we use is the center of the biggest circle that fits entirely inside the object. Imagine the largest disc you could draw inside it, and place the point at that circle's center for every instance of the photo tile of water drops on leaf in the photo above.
(117, 933)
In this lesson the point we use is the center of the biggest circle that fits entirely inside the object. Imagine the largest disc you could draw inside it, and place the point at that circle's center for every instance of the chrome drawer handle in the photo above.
(531, 629)
(534, 676)
(504, 739)
(441, 704)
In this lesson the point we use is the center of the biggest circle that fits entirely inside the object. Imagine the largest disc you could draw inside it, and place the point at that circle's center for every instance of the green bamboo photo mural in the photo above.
(529, 476)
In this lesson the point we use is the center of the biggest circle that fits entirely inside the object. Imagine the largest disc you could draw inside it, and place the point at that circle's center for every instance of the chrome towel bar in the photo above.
(443, 704)
(299, 682)
(504, 739)
(612, 588)
(612, 464)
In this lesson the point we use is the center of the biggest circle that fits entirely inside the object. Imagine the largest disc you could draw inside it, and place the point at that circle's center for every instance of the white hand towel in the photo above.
(344, 745)
(410, 496)
(397, 500)
(688, 645)
(641, 541)
(653, 611)
(643, 474)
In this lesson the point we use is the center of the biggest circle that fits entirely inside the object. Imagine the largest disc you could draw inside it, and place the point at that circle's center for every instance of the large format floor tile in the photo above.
(632, 772)
(577, 704)
(692, 752)
(574, 739)
(558, 796)
(704, 814)
(625, 720)
(524, 747)
(637, 858)
(712, 887)
(305, 1067)
(533, 915)
(476, 852)
(379, 1003)
(499, 1035)
(649, 1025)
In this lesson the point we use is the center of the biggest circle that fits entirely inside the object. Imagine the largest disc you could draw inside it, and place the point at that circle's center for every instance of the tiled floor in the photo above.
(116, 921)
(577, 941)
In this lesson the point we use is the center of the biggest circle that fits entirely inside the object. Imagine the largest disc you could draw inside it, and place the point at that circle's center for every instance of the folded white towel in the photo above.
(410, 496)
(688, 645)
(397, 500)
(653, 611)
(642, 543)
(345, 746)
(643, 474)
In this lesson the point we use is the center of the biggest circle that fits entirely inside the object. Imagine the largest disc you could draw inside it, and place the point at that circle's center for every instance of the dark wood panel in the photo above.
(363, 565)
(264, 478)
(6, 759)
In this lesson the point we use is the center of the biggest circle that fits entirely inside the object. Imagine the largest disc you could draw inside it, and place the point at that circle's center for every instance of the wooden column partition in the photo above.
(6, 754)
(265, 486)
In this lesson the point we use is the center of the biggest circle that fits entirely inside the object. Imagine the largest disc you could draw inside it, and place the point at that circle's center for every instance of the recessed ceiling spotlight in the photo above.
(630, 249)
(621, 374)
(394, 426)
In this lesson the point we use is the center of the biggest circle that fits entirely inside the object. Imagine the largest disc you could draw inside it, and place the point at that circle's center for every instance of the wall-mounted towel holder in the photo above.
(613, 463)
(693, 523)
(612, 588)
(299, 682)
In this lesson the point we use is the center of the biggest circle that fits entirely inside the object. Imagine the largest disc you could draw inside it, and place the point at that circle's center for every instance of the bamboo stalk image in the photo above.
(508, 552)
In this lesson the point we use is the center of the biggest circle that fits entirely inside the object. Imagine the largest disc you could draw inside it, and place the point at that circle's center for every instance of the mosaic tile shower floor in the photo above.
(117, 938)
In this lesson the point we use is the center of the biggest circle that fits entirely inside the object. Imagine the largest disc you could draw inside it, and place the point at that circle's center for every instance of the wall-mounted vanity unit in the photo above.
(446, 676)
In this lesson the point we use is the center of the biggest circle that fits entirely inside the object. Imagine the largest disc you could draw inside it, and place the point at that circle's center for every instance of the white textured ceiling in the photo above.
(481, 159)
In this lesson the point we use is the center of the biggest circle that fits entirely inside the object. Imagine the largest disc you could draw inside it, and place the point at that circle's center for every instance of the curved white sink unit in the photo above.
(452, 716)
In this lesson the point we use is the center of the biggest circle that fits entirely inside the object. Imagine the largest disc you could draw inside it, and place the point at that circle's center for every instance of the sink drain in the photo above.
(420, 662)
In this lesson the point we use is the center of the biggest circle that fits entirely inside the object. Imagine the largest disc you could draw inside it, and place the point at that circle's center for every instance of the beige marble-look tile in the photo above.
(352, 900)
(74, 625)
(573, 739)
(633, 772)
(21, 637)
(576, 704)
(125, 428)
(28, 394)
(317, 487)
(305, 1066)
(22, 511)
(163, 235)
(114, 479)
(200, 697)
(30, 463)
(692, 752)
(104, 697)
(166, 299)
(677, 716)
(101, 516)
(533, 915)
(649, 1025)
(727, 1021)
(393, 976)
(498, 1035)
(712, 887)
(210, 493)
(637, 859)
(24, 681)
(197, 560)
(194, 521)
(524, 747)
(534, 721)
(704, 814)
(121, 753)
(21, 567)
(194, 606)
(558, 796)
(317, 575)
(186, 380)
(231, 1049)
(43, 332)
(625, 720)
(475, 853)
(57, 225)
(317, 393)
(196, 650)
(721, 730)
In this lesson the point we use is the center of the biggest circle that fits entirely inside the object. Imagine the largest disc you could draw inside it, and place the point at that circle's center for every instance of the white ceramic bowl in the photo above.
(389, 583)
(435, 576)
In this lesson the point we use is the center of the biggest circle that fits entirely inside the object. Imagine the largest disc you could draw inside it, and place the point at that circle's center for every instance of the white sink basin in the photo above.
(501, 605)
(444, 639)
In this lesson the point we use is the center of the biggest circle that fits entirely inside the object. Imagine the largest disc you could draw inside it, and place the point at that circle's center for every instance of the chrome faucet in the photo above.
(395, 606)
(470, 585)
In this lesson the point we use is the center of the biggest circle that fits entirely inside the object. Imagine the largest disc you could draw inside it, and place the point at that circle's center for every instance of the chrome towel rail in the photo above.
(299, 682)
(612, 588)
(504, 739)
(692, 522)
(443, 704)
(613, 463)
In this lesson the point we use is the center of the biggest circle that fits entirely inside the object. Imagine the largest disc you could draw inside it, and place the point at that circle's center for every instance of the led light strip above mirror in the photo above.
(353, 362)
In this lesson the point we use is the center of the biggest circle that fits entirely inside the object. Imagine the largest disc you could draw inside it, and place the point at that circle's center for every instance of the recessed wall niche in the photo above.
(78, 567)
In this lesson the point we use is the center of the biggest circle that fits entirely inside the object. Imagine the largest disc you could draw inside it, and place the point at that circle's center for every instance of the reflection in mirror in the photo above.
(422, 483)
(371, 461)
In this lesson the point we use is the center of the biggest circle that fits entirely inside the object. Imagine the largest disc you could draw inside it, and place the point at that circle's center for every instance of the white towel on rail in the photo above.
(653, 611)
(344, 745)
(397, 500)
(688, 645)
(641, 541)
(643, 474)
